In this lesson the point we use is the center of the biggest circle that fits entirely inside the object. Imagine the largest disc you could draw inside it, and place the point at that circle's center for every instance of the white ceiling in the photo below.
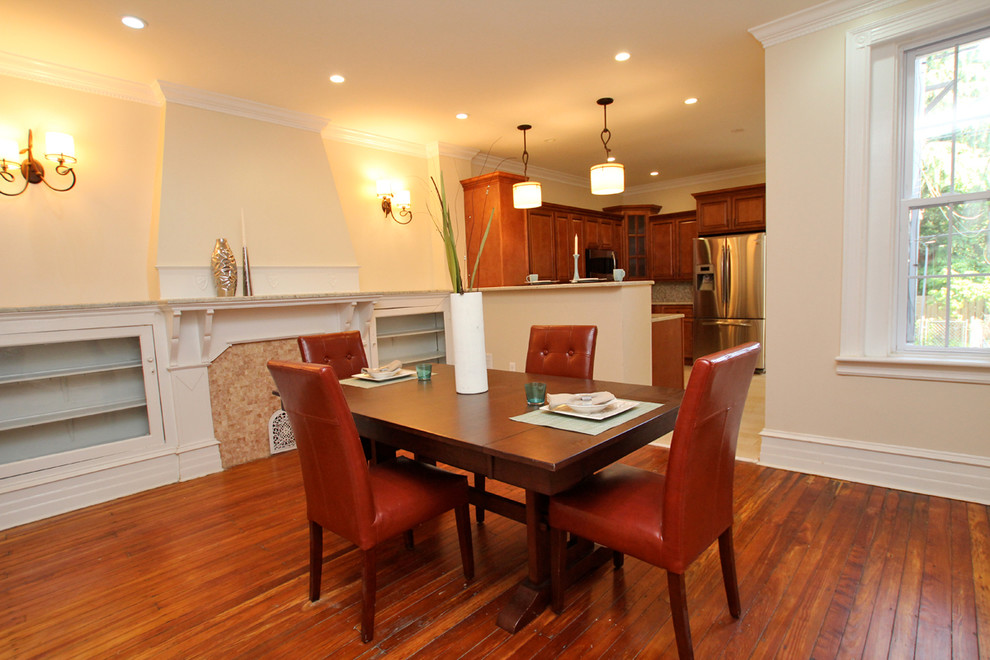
(412, 64)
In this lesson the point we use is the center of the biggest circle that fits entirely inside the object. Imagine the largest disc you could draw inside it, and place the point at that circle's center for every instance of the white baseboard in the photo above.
(944, 474)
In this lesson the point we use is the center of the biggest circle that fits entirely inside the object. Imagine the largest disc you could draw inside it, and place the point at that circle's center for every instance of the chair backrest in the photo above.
(334, 469)
(343, 351)
(562, 350)
(697, 505)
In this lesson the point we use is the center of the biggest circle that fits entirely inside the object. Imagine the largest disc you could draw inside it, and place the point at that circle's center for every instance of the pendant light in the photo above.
(526, 194)
(607, 178)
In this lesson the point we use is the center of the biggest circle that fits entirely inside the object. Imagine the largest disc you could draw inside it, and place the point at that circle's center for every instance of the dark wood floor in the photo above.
(216, 567)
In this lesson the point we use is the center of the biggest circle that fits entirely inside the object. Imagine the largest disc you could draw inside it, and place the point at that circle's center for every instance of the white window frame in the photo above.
(872, 250)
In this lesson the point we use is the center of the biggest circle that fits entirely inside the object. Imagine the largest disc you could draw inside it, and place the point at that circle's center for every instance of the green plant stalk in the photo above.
(481, 248)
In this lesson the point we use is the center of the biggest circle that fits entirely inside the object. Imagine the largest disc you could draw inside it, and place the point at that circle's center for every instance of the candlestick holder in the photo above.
(576, 275)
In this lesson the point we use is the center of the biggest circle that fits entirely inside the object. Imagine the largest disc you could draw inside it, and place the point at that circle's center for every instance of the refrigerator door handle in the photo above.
(727, 277)
(744, 324)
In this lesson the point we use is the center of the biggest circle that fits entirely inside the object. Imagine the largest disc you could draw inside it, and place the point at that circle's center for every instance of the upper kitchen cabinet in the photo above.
(669, 245)
(631, 250)
(521, 242)
(732, 211)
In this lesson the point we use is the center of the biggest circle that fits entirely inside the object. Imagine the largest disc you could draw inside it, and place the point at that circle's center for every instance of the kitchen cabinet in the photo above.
(631, 248)
(669, 245)
(521, 242)
(687, 325)
(732, 210)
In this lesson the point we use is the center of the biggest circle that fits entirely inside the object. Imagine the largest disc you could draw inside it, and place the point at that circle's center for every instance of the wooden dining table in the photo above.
(474, 432)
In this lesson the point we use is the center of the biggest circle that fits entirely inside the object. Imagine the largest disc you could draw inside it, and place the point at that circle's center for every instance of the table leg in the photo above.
(532, 595)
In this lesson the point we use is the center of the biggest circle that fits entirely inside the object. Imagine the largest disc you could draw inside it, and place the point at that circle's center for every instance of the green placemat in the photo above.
(586, 426)
(367, 384)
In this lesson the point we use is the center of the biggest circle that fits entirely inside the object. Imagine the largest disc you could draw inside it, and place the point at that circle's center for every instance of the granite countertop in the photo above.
(557, 286)
(655, 318)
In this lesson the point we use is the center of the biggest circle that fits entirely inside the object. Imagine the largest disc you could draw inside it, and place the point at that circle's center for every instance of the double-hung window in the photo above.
(916, 226)
(945, 203)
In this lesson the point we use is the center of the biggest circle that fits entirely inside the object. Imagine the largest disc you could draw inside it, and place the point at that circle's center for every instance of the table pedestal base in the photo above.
(526, 604)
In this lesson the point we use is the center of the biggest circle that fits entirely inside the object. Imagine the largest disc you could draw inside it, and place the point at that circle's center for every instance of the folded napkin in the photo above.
(585, 399)
(385, 370)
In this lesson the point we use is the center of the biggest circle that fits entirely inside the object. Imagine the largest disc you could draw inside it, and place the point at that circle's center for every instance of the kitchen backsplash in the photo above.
(673, 292)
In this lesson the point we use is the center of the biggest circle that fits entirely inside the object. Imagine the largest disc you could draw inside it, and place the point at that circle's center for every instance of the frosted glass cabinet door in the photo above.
(77, 396)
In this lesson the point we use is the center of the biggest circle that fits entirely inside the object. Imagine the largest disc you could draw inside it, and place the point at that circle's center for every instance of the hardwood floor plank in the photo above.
(903, 639)
(979, 524)
(935, 609)
(964, 638)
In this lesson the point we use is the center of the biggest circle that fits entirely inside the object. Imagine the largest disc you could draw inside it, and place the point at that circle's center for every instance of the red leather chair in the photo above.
(562, 350)
(668, 520)
(364, 504)
(343, 351)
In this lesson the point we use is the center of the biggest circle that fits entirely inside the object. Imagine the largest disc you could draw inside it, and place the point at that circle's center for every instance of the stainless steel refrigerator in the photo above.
(729, 287)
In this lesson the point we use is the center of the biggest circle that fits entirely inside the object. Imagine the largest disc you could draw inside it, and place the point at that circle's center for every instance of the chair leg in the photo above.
(558, 568)
(315, 560)
(368, 595)
(727, 555)
(479, 485)
(462, 516)
(409, 539)
(618, 559)
(679, 613)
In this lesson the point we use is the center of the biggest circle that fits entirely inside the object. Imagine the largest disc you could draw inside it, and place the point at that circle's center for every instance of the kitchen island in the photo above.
(621, 310)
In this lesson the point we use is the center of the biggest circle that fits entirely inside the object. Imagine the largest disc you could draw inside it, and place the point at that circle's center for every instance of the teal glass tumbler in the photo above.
(536, 393)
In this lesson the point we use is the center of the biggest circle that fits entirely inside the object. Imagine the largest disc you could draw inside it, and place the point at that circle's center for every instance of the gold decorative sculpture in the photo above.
(224, 269)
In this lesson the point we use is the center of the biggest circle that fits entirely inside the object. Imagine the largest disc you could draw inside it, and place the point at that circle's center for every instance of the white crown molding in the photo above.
(944, 474)
(485, 163)
(437, 149)
(816, 18)
(373, 141)
(698, 180)
(26, 68)
(231, 105)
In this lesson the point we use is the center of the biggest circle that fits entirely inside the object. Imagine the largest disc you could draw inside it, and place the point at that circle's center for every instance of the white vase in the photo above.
(468, 328)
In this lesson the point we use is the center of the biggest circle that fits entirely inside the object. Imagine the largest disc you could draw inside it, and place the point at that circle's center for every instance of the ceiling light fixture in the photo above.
(402, 199)
(654, 173)
(607, 178)
(59, 148)
(690, 101)
(461, 115)
(621, 57)
(337, 78)
(526, 194)
(134, 22)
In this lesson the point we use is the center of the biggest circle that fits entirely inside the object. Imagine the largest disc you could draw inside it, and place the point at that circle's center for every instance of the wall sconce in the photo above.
(400, 198)
(526, 194)
(607, 178)
(59, 148)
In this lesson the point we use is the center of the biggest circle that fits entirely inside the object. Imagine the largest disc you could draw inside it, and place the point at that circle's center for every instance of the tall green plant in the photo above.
(446, 229)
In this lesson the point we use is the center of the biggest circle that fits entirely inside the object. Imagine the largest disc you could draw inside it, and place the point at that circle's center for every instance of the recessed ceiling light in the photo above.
(337, 78)
(133, 22)
(690, 101)
(610, 159)
(461, 115)
(621, 57)
(654, 173)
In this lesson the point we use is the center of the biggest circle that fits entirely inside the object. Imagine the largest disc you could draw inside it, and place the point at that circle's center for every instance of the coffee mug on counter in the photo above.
(618, 274)
(533, 277)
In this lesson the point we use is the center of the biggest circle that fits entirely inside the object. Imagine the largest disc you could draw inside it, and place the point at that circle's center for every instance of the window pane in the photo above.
(928, 311)
(969, 238)
(929, 241)
(969, 322)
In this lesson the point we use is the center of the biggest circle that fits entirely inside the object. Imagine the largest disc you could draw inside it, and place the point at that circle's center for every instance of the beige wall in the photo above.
(90, 244)
(805, 124)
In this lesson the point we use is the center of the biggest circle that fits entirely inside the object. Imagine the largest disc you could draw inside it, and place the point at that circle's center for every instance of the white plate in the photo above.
(610, 410)
(401, 373)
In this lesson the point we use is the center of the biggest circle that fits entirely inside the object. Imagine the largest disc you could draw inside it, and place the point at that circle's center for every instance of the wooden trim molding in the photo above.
(941, 473)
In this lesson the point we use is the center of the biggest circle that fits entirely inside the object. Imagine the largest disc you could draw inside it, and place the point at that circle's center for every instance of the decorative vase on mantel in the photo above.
(468, 328)
(224, 269)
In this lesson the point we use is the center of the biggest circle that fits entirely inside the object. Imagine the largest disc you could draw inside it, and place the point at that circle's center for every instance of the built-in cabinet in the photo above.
(732, 210)
(687, 325)
(669, 245)
(635, 243)
(539, 240)
(410, 330)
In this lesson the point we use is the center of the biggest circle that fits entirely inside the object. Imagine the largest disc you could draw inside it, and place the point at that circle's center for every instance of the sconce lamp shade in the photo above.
(607, 179)
(527, 195)
(60, 147)
(383, 188)
(403, 199)
(10, 153)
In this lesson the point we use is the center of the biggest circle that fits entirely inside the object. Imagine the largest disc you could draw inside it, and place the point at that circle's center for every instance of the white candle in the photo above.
(243, 231)
(575, 244)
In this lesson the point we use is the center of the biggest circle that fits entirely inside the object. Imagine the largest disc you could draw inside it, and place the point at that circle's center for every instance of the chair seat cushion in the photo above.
(408, 492)
(620, 507)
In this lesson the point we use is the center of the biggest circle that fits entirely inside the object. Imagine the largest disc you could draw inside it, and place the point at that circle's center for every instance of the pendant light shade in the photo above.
(608, 178)
(526, 194)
